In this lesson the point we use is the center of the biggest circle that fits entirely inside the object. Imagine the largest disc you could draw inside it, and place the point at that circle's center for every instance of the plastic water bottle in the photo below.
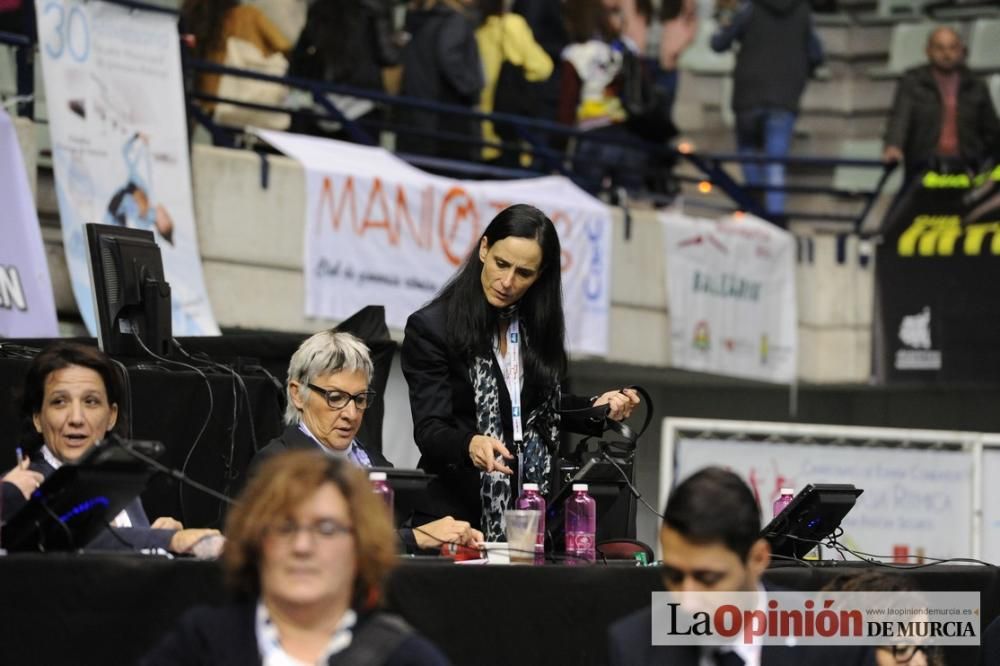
(581, 525)
(532, 500)
(787, 494)
(382, 488)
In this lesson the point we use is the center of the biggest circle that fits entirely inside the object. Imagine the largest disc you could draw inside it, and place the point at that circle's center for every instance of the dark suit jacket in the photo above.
(293, 438)
(442, 401)
(915, 119)
(138, 537)
(10, 501)
(629, 644)
(991, 644)
(227, 637)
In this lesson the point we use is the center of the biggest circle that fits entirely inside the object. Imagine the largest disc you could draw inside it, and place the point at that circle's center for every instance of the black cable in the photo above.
(792, 558)
(52, 514)
(204, 426)
(178, 474)
(868, 557)
(635, 491)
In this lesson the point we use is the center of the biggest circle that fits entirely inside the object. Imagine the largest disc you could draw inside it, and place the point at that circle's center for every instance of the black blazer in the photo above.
(991, 644)
(629, 645)
(227, 636)
(442, 401)
(138, 537)
(293, 438)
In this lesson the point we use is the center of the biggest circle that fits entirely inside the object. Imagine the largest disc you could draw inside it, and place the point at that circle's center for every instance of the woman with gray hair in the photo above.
(327, 394)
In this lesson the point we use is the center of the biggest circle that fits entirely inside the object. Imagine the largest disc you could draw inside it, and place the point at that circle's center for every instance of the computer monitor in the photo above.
(615, 502)
(131, 295)
(810, 517)
(409, 489)
(77, 501)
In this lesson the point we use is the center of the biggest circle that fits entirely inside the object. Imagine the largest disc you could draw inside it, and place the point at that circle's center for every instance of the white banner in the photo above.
(119, 142)
(27, 309)
(381, 232)
(915, 503)
(731, 296)
(991, 503)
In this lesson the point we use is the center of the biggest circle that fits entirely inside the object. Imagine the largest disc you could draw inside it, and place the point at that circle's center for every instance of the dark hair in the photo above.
(472, 321)
(316, 55)
(714, 505)
(488, 8)
(205, 19)
(587, 19)
(56, 357)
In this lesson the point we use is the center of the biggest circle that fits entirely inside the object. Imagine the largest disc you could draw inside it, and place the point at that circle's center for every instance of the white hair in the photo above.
(324, 353)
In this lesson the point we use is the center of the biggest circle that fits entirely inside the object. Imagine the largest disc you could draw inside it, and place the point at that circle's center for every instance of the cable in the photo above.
(204, 426)
(127, 385)
(869, 557)
(176, 474)
(628, 481)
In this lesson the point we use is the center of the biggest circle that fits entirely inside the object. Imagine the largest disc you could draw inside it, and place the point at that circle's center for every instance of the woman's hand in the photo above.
(26, 480)
(184, 540)
(621, 403)
(446, 530)
(484, 450)
(167, 523)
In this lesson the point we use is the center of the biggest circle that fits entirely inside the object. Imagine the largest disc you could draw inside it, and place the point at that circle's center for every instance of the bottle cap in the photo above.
(788, 491)
(530, 486)
(380, 476)
(580, 486)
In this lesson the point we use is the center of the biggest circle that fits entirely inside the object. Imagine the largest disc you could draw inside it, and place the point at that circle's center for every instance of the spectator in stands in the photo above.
(309, 546)
(327, 394)
(678, 27)
(711, 542)
(346, 42)
(289, 16)
(71, 395)
(765, 96)
(213, 22)
(505, 37)
(590, 97)
(440, 64)
(459, 357)
(942, 115)
(545, 18)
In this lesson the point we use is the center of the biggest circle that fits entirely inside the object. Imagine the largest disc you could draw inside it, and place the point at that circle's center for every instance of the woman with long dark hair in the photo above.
(485, 361)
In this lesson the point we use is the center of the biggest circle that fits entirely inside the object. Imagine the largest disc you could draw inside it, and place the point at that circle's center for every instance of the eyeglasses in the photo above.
(325, 529)
(337, 399)
(904, 653)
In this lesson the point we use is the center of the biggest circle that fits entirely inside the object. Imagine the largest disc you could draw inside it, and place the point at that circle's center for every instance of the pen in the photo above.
(20, 456)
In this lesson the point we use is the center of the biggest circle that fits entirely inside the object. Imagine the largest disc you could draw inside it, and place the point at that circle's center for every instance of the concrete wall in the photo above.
(251, 243)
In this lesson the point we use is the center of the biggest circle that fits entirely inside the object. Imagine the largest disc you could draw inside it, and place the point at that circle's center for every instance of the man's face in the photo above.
(695, 567)
(944, 50)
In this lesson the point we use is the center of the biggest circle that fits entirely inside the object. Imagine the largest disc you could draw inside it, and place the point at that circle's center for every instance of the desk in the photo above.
(93, 609)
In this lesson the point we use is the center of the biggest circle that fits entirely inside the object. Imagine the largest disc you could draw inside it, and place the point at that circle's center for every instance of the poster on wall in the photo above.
(916, 503)
(938, 281)
(27, 308)
(379, 231)
(117, 123)
(731, 296)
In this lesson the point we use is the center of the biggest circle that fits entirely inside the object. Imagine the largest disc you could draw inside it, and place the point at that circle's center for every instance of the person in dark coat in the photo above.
(440, 64)
(309, 546)
(485, 361)
(711, 542)
(942, 115)
(766, 97)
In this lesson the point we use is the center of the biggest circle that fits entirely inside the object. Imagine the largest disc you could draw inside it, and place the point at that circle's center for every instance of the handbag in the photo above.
(241, 54)
(513, 94)
(646, 104)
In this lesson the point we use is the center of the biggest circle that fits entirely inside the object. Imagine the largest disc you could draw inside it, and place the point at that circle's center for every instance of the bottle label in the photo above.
(580, 544)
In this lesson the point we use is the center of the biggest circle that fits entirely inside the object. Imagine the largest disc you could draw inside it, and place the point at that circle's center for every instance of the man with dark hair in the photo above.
(711, 542)
(942, 113)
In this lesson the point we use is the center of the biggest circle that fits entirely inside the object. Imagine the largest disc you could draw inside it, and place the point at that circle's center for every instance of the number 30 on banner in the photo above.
(70, 32)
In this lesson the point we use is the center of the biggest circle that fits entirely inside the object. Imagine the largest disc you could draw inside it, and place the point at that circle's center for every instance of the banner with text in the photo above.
(27, 309)
(916, 503)
(119, 142)
(731, 296)
(382, 232)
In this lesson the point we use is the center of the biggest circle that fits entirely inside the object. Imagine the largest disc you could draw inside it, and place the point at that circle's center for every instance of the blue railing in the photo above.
(537, 136)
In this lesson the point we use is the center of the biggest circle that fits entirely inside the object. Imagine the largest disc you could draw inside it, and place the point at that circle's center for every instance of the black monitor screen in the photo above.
(131, 296)
(813, 515)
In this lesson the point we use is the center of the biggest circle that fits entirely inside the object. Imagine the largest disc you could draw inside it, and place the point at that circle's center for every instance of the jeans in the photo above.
(596, 161)
(768, 132)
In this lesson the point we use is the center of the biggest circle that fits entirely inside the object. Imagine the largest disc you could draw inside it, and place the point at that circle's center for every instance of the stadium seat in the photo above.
(907, 48)
(700, 57)
(984, 45)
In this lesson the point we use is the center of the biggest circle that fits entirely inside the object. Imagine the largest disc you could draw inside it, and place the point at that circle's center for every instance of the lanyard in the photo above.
(513, 374)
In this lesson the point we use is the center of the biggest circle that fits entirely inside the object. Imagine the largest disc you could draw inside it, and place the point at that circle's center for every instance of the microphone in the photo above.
(145, 447)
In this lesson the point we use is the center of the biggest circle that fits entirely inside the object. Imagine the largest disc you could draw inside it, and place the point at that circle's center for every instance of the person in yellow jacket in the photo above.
(501, 36)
